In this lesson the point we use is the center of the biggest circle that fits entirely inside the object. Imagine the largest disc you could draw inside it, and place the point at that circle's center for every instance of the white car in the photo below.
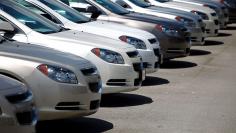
(119, 64)
(62, 14)
(190, 21)
(17, 110)
(220, 9)
(208, 15)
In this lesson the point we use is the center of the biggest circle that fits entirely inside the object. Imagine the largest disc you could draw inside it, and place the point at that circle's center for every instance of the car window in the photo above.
(140, 3)
(38, 10)
(30, 19)
(66, 11)
(113, 7)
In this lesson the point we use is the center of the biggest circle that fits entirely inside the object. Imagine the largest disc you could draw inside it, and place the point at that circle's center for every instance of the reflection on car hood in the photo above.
(92, 40)
(154, 19)
(40, 54)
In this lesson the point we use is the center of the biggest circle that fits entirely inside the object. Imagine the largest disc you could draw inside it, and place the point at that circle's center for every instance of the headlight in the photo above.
(137, 43)
(108, 56)
(187, 22)
(202, 15)
(169, 31)
(58, 74)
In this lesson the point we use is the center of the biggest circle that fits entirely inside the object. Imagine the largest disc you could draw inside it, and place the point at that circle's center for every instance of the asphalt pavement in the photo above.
(195, 94)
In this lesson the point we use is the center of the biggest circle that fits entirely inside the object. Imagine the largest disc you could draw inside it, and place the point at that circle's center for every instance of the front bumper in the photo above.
(212, 27)
(150, 59)
(173, 47)
(197, 36)
(58, 100)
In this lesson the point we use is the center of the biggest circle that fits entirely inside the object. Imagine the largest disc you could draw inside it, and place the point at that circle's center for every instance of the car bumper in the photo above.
(212, 28)
(150, 59)
(197, 36)
(58, 100)
(173, 47)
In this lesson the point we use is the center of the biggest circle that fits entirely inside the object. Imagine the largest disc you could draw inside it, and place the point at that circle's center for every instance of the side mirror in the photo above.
(6, 27)
(95, 12)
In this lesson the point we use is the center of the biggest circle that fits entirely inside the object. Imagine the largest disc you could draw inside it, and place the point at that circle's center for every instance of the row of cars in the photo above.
(60, 56)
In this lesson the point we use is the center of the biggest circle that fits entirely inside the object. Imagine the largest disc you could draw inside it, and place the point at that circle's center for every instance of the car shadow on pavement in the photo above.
(76, 125)
(224, 34)
(124, 100)
(176, 64)
(212, 43)
(151, 81)
(197, 52)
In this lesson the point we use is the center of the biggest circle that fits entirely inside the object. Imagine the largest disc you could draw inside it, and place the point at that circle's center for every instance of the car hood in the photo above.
(106, 28)
(40, 54)
(93, 40)
(154, 19)
(175, 12)
(190, 6)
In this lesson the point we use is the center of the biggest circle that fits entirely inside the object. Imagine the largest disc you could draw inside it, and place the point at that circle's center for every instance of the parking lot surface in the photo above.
(195, 94)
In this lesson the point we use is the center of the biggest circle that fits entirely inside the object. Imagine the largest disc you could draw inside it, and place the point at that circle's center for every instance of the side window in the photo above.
(39, 11)
(16, 29)
(123, 4)
(81, 5)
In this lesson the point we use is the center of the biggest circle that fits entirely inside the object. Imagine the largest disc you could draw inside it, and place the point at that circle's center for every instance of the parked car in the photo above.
(208, 15)
(219, 8)
(63, 85)
(191, 21)
(17, 110)
(119, 63)
(62, 14)
(173, 36)
(231, 5)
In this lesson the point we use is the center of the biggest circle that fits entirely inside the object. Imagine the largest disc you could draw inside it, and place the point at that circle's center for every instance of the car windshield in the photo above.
(30, 19)
(163, 1)
(140, 3)
(113, 7)
(66, 11)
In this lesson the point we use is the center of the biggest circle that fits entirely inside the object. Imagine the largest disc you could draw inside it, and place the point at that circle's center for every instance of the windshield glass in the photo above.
(140, 3)
(163, 1)
(113, 7)
(66, 11)
(30, 19)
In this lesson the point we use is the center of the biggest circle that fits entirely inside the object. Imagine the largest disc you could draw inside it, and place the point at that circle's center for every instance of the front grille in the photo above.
(226, 15)
(216, 22)
(207, 30)
(138, 67)
(145, 64)
(156, 52)
(203, 29)
(133, 54)
(17, 98)
(213, 14)
(184, 29)
(94, 104)
(157, 64)
(116, 82)
(26, 118)
(68, 106)
(94, 87)
(89, 71)
(152, 41)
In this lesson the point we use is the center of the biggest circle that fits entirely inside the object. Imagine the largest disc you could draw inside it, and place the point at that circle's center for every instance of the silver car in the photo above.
(17, 109)
(63, 85)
